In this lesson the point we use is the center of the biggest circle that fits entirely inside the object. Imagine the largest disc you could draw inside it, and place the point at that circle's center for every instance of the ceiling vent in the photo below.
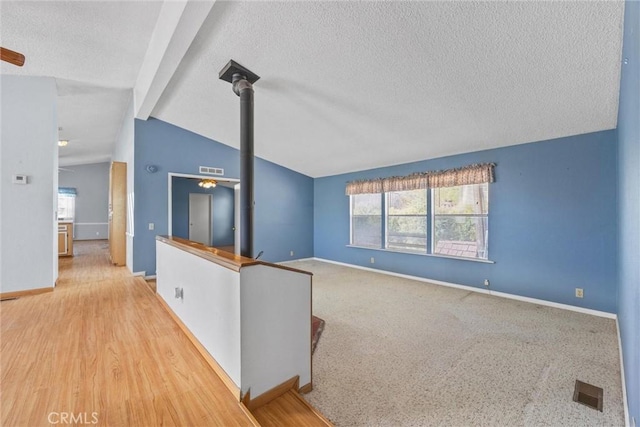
(211, 171)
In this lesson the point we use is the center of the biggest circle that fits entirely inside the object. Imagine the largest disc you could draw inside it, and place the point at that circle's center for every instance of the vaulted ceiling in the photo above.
(344, 85)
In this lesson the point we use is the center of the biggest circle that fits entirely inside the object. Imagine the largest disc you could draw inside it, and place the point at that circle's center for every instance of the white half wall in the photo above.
(29, 134)
(210, 303)
(276, 327)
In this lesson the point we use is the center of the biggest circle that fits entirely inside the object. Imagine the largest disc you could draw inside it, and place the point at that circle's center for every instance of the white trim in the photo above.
(486, 261)
(153, 276)
(480, 290)
(90, 223)
(139, 273)
(299, 260)
(627, 421)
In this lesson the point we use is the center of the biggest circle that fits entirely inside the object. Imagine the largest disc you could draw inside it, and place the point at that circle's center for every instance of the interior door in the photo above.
(200, 218)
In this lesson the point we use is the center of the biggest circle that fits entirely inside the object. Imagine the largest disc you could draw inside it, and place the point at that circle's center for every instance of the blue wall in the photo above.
(222, 209)
(629, 211)
(283, 198)
(552, 222)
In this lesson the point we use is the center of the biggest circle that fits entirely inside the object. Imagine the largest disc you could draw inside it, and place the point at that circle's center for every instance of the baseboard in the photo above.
(139, 273)
(627, 421)
(307, 388)
(296, 260)
(153, 276)
(226, 379)
(26, 293)
(479, 290)
(269, 395)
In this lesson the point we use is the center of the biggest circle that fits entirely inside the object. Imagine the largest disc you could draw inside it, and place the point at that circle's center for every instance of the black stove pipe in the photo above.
(244, 90)
(242, 81)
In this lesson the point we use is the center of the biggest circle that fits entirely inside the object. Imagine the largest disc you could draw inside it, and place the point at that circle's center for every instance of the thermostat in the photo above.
(19, 179)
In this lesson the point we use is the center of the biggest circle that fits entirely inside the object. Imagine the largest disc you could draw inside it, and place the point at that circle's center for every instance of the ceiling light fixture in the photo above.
(208, 183)
(62, 143)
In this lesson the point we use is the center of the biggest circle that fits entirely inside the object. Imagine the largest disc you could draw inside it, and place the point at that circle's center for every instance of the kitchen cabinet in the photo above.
(65, 239)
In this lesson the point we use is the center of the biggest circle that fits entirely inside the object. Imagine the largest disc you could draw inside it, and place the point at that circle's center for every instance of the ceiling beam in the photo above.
(177, 26)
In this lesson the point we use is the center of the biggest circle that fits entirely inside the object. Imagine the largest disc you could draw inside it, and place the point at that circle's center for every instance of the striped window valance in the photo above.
(68, 191)
(472, 174)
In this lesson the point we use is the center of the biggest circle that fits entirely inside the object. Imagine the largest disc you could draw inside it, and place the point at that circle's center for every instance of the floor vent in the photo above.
(588, 395)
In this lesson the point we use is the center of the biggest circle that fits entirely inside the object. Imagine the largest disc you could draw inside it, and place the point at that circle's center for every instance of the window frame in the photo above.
(385, 242)
(72, 200)
(430, 227)
(351, 228)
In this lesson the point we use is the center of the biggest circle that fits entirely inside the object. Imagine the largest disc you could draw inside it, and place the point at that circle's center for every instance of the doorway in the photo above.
(225, 208)
(200, 227)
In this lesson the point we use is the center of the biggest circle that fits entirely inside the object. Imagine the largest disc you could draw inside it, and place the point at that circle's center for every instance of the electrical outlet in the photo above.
(579, 293)
(486, 282)
(373, 261)
(291, 253)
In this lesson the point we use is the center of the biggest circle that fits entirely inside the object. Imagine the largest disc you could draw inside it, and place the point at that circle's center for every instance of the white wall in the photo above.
(124, 152)
(92, 200)
(29, 134)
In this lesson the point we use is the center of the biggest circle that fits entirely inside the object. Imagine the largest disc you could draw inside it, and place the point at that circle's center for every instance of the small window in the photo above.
(66, 207)
(460, 221)
(366, 220)
(406, 221)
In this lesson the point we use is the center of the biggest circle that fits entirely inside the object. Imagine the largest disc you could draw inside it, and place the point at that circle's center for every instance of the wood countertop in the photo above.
(223, 258)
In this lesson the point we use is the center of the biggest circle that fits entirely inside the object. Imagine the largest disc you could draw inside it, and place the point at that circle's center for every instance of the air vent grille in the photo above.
(588, 395)
(211, 171)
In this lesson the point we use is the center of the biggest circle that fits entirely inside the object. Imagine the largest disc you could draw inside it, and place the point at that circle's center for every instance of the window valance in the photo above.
(68, 191)
(473, 174)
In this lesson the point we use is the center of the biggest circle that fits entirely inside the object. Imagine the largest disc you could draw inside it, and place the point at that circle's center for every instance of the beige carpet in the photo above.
(396, 352)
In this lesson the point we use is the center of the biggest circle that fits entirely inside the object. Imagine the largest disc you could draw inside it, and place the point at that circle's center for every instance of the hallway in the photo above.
(100, 348)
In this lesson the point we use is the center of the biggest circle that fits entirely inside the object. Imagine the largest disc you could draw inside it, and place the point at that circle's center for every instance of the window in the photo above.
(366, 220)
(460, 225)
(66, 203)
(452, 222)
(406, 221)
(66, 207)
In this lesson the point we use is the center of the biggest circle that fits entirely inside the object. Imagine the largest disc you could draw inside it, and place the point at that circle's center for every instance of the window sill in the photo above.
(484, 261)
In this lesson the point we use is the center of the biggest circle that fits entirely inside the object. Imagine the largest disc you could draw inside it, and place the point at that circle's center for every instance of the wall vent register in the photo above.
(211, 171)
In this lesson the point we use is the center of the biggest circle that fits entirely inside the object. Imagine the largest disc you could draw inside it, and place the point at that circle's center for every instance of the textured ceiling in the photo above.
(353, 85)
(94, 50)
(344, 85)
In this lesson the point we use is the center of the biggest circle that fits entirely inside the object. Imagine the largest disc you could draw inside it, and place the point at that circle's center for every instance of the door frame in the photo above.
(236, 201)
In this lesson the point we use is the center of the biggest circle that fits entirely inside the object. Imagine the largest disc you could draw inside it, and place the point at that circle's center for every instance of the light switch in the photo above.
(151, 226)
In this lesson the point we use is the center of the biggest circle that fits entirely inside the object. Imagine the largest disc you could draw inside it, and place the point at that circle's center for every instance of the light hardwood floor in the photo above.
(290, 409)
(101, 348)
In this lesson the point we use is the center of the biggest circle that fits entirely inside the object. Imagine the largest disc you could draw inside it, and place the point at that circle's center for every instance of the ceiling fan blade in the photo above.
(12, 57)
